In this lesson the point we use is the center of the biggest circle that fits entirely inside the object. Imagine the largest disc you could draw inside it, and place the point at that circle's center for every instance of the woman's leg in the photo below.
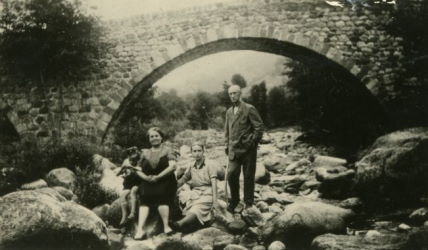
(142, 217)
(133, 198)
(189, 219)
(164, 214)
(124, 206)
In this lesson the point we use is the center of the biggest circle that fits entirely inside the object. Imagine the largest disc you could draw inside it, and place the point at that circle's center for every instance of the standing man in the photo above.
(244, 130)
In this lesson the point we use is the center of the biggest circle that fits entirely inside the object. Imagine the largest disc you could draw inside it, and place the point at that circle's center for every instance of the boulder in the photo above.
(235, 247)
(379, 241)
(353, 203)
(237, 226)
(328, 161)
(336, 182)
(66, 193)
(276, 162)
(262, 206)
(300, 222)
(394, 168)
(262, 175)
(38, 220)
(63, 177)
(34, 185)
(418, 240)
(253, 216)
(298, 164)
(419, 216)
(248, 240)
(276, 245)
(207, 237)
(109, 182)
(51, 192)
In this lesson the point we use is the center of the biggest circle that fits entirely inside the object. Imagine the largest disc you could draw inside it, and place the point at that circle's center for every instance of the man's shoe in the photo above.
(231, 208)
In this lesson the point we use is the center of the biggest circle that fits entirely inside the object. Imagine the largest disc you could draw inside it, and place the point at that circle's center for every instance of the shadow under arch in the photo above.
(8, 130)
(296, 52)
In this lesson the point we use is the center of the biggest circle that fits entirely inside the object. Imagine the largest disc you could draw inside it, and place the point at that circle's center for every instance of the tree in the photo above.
(239, 80)
(276, 104)
(201, 111)
(258, 97)
(223, 96)
(49, 40)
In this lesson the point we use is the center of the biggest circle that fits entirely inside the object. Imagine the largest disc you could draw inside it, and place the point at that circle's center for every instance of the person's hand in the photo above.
(149, 178)
(155, 178)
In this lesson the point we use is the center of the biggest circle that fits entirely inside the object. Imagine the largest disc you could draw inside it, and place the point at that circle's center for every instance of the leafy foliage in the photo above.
(31, 159)
(49, 39)
(258, 97)
(89, 192)
(239, 80)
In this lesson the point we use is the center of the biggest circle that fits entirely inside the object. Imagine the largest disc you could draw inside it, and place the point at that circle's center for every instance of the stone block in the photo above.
(211, 35)
(102, 125)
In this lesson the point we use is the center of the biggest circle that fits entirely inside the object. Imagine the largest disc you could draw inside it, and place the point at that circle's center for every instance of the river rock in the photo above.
(235, 247)
(51, 192)
(394, 167)
(262, 206)
(328, 161)
(353, 203)
(63, 177)
(109, 182)
(253, 216)
(34, 185)
(276, 245)
(418, 240)
(381, 241)
(37, 220)
(336, 181)
(206, 237)
(302, 221)
(262, 175)
(419, 216)
(66, 193)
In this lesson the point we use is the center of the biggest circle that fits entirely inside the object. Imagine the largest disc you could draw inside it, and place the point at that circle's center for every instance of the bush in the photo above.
(31, 159)
(89, 192)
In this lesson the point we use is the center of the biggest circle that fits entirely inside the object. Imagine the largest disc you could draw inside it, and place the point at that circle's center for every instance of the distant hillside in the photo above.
(210, 72)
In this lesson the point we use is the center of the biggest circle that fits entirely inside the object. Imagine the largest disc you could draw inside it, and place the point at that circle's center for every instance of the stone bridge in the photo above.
(148, 47)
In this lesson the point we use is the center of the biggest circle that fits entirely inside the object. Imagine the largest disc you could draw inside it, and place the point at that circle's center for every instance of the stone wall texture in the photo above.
(150, 46)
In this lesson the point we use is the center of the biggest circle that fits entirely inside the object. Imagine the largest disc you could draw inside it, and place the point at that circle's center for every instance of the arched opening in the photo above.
(8, 132)
(363, 110)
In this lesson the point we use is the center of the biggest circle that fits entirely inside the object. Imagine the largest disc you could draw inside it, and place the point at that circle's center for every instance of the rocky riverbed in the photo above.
(306, 198)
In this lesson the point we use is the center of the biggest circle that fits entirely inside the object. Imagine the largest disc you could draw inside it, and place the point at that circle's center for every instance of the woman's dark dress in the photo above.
(164, 190)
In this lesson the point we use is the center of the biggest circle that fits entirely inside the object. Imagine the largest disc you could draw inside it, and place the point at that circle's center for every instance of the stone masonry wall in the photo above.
(355, 40)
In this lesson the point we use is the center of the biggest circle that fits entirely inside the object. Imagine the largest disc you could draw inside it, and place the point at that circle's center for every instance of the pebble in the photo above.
(404, 227)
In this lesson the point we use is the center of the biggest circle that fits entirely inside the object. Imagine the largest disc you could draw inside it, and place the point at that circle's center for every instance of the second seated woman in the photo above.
(159, 186)
(201, 201)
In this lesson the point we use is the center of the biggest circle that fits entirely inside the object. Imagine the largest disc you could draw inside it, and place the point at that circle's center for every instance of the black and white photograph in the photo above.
(214, 124)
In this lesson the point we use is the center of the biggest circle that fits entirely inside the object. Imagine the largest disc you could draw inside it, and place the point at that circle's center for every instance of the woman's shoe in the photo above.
(125, 223)
(174, 226)
(170, 233)
(141, 236)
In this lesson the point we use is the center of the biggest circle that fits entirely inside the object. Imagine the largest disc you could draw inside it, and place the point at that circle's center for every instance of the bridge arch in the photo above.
(295, 46)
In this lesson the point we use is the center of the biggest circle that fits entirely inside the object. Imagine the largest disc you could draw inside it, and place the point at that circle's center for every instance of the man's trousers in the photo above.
(248, 163)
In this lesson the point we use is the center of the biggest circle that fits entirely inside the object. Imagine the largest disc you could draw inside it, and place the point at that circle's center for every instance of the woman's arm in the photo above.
(170, 169)
(214, 191)
(184, 178)
(142, 175)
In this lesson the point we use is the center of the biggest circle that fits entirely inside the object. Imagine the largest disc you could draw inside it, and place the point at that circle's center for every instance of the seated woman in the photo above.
(202, 178)
(158, 186)
(130, 185)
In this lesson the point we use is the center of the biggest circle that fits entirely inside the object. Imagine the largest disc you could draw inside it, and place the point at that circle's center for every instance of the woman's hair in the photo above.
(158, 130)
(197, 143)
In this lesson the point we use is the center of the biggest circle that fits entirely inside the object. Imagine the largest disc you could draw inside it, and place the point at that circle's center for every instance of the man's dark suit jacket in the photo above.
(243, 130)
